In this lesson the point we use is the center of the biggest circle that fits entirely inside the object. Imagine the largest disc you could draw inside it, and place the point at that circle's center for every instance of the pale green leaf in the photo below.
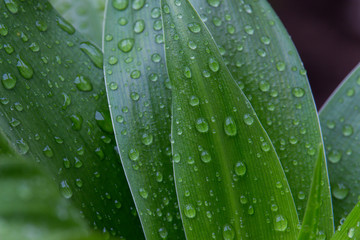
(350, 229)
(340, 120)
(140, 99)
(229, 180)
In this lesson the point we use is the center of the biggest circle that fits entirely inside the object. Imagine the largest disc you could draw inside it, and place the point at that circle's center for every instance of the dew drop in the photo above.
(347, 130)
(205, 157)
(265, 147)
(189, 211)
(228, 232)
(138, 4)
(3, 30)
(163, 233)
(214, 3)
(41, 25)
(202, 125)
(76, 121)
(214, 65)
(240, 168)
(134, 154)
(143, 193)
(139, 26)
(65, 189)
(147, 139)
(280, 223)
(340, 191)
(83, 84)
(93, 52)
(24, 68)
(194, 101)
(334, 156)
(120, 4)
(298, 92)
(194, 27)
(48, 152)
(264, 86)
(126, 44)
(12, 6)
(103, 120)
(280, 66)
(8, 80)
(248, 119)
(230, 126)
(187, 72)
(65, 25)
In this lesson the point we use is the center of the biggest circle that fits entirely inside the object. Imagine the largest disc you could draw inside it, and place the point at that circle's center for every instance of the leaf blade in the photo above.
(209, 167)
(55, 112)
(340, 134)
(140, 99)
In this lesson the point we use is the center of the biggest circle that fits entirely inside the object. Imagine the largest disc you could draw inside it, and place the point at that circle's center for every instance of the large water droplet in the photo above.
(24, 68)
(228, 232)
(147, 139)
(120, 4)
(340, 191)
(189, 211)
(93, 52)
(347, 130)
(83, 83)
(12, 6)
(65, 25)
(126, 44)
(230, 126)
(298, 92)
(202, 125)
(65, 189)
(280, 223)
(139, 26)
(138, 4)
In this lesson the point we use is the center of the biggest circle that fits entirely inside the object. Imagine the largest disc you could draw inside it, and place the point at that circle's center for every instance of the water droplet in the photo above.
(194, 101)
(205, 157)
(65, 25)
(23, 147)
(163, 233)
(3, 30)
(228, 232)
(176, 158)
(214, 65)
(8, 80)
(48, 152)
(194, 27)
(202, 125)
(143, 193)
(249, 29)
(155, 12)
(65, 189)
(120, 4)
(103, 120)
(240, 168)
(24, 68)
(93, 52)
(134, 154)
(12, 6)
(280, 66)
(248, 119)
(192, 45)
(76, 121)
(139, 26)
(351, 232)
(113, 60)
(340, 191)
(83, 83)
(298, 92)
(334, 156)
(189, 211)
(156, 58)
(230, 126)
(138, 4)
(264, 86)
(147, 139)
(347, 130)
(280, 223)
(187, 72)
(41, 25)
(135, 74)
(214, 3)
(126, 44)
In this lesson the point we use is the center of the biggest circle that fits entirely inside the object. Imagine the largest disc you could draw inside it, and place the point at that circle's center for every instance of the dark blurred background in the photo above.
(327, 35)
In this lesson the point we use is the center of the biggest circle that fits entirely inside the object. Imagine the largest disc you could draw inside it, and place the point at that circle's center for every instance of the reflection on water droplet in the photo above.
(189, 211)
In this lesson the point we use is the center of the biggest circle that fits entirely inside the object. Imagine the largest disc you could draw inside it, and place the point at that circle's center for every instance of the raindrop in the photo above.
(194, 27)
(8, 81)
(65, 25)
(126, 44)
(139, 26)
(230, 126)
(340, 191)
(120, 4)
(134, 154)
(65, 189)
(214, 65)
(24, 68)
(228, 232)
(143, 193)
(189, 211)
(240, 168)
(83, 83)
(280, 223)
(298, 92)
(93, 52)
(202, 125)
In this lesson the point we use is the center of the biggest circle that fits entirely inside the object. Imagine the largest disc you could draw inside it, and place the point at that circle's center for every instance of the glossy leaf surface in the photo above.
(53, 109)
(350, 229)
(140, 99)
(227, 174)
(340, 120)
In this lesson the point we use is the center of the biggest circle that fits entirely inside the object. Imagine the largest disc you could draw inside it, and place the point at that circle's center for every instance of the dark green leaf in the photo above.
(53, 108)
(30, 204)
(340, 120)
(350, 229)
(140, 99)
(264, 62)
(229, 181)
(313, 215)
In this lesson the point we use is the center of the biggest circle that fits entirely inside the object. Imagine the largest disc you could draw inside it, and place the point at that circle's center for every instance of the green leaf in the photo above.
(227, 174)
(313, 215)
(139, 94)
(53, 108)
(30, 204)
(264, 62)
(340, 120)
(350, 229)
(86, 16)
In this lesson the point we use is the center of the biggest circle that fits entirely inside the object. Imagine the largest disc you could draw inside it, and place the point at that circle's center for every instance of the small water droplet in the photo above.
(8, 81)
(120, 4)
(248, 119)
(93, 52)
(214, 65)
(280, 66)
(347, 130)
(126, 44)
(65, 25)
(163, 233)
(134, 154)
(143, 193)
(334, 156)
(194, 27)
(205, 157)
(202, 125)
(280, 223)
(189, 211)
(340, 191)
(24, 68)
(139, 26)
(12, 6)
(138, 4)
(41, 25)
(65, 189)
(230, 126)
(298, 92)
(240, 168)
(147, 139)
(83, 83)
(228, 232)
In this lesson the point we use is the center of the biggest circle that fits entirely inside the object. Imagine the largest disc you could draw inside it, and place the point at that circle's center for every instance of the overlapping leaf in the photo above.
(54, 110)
(265, 64)
(229, 180)
(139, 96)
(30, 204)
(340, 120)
(350, 229)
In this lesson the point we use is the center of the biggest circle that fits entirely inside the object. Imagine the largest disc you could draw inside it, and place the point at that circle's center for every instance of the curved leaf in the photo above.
(54, 110)
(264, 62)
(340, 120)
(139, 95)
(86, 16)
(350, 229)
(30, 204)
(227, 173)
